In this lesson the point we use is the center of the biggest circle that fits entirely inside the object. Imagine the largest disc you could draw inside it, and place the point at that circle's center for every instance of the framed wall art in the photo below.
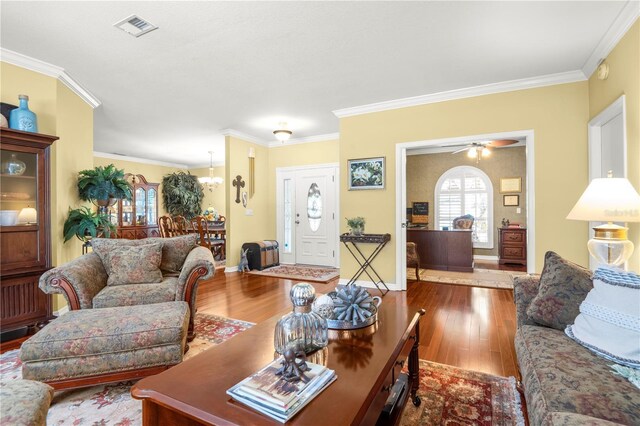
(512, 184)
(511, 200)
(366, 173)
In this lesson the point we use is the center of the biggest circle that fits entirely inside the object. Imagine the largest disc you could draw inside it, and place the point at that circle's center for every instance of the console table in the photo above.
(350, 240)
(367, 362)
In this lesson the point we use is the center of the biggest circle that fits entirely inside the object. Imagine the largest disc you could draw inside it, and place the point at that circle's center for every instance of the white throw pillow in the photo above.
(609, 319)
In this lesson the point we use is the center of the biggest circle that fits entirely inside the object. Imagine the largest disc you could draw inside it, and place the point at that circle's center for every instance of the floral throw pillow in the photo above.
(563, 286)
(135, 264)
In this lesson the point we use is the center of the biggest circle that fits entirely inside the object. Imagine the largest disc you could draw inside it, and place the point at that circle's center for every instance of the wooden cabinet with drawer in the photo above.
(513, 245)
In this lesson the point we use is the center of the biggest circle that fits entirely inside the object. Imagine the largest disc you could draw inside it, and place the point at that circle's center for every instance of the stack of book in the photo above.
(275, 397)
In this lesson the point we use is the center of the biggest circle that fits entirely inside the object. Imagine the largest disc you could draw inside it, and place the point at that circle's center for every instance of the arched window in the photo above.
(466, 190)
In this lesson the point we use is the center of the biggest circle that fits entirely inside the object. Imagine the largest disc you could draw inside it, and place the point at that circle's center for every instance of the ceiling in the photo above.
(247, 66)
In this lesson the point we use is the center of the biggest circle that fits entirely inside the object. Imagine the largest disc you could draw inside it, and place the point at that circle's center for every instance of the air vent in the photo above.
(135, 26)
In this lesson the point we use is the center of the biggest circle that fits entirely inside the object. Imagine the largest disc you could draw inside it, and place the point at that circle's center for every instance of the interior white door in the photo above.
(315, 215)
(607, 149)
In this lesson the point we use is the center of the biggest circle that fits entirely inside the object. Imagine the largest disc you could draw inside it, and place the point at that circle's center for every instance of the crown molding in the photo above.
(308, 139)
(469, 92)
(36, 65)
(625, 19)
(244, 136)
(453, 148)
(140, 160)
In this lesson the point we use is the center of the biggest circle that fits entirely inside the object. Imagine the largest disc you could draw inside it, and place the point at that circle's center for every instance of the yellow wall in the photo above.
(624, 79)
(217, 197)
(296, 155)
(153, 173)
(423, 172)
(240, 227)
(557, 114)
(60, 112)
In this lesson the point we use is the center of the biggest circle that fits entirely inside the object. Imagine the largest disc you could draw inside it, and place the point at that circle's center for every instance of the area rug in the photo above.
(489, 278)
(300, 272)
(452, 396)
(112, 404)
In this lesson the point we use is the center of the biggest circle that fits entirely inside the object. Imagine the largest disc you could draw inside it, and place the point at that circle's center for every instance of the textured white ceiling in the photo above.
(249, 65)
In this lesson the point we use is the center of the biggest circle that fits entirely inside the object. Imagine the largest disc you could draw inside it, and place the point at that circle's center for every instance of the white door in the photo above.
(315, 215)
(607, 149)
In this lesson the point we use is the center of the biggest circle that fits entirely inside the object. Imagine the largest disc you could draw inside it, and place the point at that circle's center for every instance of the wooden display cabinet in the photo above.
(137, 218)
(25, 245)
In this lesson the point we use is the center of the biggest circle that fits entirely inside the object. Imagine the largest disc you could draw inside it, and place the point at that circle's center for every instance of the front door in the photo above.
(315, 215)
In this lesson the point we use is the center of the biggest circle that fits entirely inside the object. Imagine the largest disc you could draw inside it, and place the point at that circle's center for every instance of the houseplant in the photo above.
(83, 223)
(182, 194)
(356, 224)
(103, 185)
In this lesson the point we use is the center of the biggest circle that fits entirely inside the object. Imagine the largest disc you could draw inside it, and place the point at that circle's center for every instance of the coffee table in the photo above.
(367, 362)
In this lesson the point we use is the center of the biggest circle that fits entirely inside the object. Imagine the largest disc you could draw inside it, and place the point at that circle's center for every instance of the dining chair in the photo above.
(207, 237)
(166, 226)
(180, 225)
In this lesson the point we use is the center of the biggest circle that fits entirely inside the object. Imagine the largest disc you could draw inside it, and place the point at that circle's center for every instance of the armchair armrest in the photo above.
(199, 265)
(525, 288)
(79, 280)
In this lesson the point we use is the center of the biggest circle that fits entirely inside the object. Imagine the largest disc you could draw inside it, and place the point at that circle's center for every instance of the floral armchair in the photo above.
(133, 272)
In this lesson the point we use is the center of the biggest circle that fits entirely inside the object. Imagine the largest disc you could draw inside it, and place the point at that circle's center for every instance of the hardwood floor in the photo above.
(467, 327)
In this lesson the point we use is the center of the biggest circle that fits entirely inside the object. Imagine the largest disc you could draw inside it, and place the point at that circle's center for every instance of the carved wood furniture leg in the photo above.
(414, 364)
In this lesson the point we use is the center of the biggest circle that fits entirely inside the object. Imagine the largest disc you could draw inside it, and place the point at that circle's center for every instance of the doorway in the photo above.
(401, 191)
(607, 149)
(306, 214)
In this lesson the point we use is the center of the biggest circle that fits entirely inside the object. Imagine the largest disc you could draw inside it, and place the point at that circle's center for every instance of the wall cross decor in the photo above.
(238, 183)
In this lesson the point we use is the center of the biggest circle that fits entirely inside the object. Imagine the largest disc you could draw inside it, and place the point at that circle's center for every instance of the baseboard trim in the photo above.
(483, 257)
(231, 269)
(370, 284)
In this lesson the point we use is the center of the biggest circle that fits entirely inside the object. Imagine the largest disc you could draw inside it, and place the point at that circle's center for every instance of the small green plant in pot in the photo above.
(356, 224)
(103, 185)
(83, 223)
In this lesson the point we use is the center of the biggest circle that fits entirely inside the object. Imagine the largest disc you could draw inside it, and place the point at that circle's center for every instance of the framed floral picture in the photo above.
(366, 173)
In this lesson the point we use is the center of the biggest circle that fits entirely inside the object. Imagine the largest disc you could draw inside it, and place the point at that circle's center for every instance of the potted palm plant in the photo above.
(103, 186)
(84, 224)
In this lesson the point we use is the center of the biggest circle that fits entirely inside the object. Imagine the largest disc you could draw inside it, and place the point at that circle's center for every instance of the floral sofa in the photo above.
(123, 272)
(565, 383)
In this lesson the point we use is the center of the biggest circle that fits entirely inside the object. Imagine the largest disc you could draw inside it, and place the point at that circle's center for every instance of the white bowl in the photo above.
(8, 217)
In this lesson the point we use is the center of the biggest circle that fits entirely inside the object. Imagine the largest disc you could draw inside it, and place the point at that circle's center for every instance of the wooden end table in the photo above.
(367, 362)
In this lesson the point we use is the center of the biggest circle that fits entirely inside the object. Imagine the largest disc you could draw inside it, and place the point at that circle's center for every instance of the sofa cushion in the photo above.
(136, 294)
(24, 403)
(609, 320)
(174, 250)
(560, 376)
(563, 286)
(135, 264)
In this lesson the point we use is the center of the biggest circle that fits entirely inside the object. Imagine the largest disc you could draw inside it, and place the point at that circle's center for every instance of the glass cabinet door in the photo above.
(18, 188)
(127, 213)
(141, 206)
(152, 214)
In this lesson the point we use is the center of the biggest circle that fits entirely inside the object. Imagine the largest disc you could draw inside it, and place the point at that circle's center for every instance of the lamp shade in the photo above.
(28, 215)
(608, 200)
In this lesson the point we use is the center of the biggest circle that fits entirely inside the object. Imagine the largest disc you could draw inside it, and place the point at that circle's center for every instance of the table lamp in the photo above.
(609, 200)
(28, 215)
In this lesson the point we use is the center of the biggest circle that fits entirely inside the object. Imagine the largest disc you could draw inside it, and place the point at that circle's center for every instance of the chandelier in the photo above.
(211, 181)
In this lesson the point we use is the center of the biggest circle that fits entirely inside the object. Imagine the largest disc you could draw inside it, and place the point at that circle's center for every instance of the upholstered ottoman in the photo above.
(25, 403)
(91, 346)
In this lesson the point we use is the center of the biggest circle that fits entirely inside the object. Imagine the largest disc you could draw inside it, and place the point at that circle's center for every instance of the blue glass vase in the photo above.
(22, 118)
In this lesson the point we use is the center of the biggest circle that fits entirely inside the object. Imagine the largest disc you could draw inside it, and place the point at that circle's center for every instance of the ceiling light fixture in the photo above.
(211, 181)
(282, 134)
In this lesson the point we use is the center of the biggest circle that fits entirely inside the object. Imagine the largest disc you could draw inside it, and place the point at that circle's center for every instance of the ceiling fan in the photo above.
(481, 149)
